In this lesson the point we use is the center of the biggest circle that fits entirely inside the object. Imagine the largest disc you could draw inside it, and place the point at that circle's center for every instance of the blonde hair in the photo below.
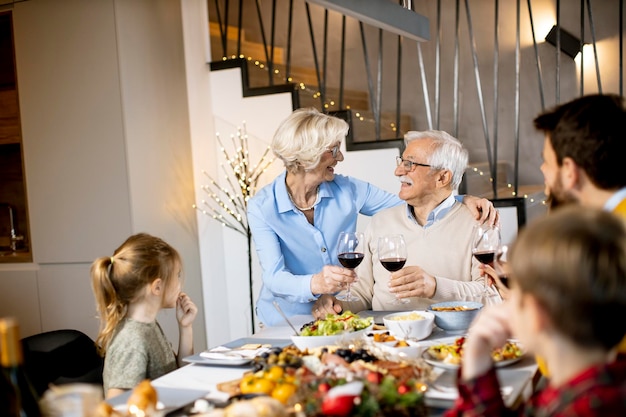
(304, 136)
(117, 280)
(574, 263)
(447, 153)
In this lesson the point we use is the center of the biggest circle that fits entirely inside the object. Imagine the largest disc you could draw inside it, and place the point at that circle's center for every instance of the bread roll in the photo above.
(143, 397)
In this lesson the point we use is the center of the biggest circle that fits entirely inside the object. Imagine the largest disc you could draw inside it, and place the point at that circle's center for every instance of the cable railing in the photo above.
(382, 85)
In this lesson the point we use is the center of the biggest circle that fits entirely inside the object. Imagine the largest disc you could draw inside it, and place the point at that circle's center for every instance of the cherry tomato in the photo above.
(338, 406)
(374, 377)
(323, 387)
(403, 389)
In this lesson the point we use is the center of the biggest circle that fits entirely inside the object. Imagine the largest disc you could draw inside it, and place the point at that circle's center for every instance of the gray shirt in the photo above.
(136, 352)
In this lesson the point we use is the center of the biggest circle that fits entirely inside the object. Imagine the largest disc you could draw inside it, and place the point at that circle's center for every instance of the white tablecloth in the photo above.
(516, 379)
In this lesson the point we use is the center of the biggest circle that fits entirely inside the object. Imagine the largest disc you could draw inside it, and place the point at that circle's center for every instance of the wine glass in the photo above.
(350, 255)
(485, 246)
(392, 256)
(502, 270)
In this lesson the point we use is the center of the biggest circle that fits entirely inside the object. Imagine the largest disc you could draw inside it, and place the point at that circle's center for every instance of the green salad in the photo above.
(335, 324)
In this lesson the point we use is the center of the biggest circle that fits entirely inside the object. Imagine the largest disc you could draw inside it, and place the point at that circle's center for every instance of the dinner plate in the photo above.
(439, 363)
(228, 354)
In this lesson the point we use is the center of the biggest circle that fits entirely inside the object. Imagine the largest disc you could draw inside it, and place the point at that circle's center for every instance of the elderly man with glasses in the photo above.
(437, 230)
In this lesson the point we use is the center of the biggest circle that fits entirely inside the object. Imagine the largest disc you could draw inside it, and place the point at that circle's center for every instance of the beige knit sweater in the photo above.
(443, 250)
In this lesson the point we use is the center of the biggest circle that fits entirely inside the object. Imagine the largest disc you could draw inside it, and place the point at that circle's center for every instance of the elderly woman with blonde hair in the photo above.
(296, 220)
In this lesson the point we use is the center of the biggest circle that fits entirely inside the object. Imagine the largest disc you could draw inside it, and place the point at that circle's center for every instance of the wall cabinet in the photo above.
(47, 297)
(20, 298)
(14, 228)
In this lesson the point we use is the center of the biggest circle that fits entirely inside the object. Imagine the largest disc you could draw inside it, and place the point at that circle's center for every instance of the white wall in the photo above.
(72, 127)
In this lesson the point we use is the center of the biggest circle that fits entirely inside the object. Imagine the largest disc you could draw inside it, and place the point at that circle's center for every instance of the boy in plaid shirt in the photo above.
(567, 304)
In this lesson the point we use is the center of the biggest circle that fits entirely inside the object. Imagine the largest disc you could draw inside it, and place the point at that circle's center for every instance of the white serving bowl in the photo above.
(310, 342)
(404, 327)
(455, 320)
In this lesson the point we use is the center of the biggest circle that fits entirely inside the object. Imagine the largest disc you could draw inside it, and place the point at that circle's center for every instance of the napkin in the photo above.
(238, 353)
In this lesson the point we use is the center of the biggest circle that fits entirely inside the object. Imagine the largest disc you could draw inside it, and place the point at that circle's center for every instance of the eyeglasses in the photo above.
(409, 166)
(334, 151)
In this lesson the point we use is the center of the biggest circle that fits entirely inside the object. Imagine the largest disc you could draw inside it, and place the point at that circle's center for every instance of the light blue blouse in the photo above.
(291, 250)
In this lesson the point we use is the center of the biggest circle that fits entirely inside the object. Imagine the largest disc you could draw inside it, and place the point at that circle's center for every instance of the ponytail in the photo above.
(110, 309)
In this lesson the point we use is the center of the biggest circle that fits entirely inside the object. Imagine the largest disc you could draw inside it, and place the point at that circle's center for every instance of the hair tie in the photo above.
(112, 260)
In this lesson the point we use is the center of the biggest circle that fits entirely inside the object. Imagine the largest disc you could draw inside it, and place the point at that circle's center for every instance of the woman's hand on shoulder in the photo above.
(331, 279)
(186, 310)
(482, 209)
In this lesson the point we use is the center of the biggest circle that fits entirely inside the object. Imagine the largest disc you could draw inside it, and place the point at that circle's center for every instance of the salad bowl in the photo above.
(335, 329)
(310, 342)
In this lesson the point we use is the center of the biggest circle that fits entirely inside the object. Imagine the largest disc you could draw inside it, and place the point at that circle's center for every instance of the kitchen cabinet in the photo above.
(20, 297)
(14, 227)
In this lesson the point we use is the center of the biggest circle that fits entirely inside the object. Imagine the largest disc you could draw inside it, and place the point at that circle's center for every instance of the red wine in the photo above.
(350, 259)
(485, 257)
(393, 264)
(504, 279)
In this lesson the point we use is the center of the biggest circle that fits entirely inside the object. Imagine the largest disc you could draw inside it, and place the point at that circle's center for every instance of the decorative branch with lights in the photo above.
(228, 205)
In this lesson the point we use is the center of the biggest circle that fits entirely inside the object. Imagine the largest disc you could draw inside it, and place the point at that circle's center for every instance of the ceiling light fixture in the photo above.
(382, 14)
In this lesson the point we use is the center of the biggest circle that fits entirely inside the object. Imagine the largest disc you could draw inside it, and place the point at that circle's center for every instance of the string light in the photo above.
(509, 186)
(329, 103)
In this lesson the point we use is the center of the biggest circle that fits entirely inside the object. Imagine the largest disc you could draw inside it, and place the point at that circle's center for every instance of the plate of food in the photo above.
(238, 352)
(450, 355)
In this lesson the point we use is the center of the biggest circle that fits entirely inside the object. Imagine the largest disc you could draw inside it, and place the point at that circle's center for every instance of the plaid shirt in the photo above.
(597, 391)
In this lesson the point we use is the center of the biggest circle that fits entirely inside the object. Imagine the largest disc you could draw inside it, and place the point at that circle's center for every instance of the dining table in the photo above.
(200, 377)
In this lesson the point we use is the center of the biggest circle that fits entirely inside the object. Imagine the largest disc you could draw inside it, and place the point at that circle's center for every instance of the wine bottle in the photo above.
(19, 399)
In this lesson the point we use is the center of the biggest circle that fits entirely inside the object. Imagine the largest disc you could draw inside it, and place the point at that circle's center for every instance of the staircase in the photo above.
(259, 77)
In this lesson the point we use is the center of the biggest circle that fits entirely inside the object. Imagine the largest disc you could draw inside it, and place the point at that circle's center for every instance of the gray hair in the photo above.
(448, 152)
(303, 137)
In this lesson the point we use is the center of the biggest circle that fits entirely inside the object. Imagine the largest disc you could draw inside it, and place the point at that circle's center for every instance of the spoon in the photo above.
(280, 310)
